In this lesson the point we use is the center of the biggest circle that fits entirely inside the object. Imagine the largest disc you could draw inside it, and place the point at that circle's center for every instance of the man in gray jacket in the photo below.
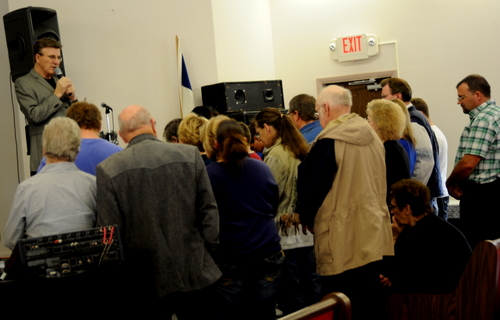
(160, 196)
(42, 95)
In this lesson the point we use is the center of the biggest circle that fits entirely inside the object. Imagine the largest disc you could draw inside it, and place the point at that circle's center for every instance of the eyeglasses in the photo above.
(460, 98)
(257, 136)
(392, 206)
(52, 57)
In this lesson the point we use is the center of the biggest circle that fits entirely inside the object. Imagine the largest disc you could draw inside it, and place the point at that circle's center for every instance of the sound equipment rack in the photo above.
(70, 253)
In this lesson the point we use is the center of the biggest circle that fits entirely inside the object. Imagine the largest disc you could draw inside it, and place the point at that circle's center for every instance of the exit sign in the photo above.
(355, 47)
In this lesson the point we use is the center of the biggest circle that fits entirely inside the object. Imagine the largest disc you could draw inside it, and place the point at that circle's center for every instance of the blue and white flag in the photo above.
(186, 97)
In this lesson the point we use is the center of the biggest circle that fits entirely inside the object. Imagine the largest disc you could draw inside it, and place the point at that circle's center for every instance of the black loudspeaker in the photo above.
(243, 116)
(22, 28)
(243, 96)
(248, 116)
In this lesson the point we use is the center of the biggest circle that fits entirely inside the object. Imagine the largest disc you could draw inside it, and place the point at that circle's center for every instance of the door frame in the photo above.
(322, 82)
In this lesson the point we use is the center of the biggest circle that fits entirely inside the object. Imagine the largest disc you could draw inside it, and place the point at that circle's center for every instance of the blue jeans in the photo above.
(300, 284)
(247, 289)
(442, 204)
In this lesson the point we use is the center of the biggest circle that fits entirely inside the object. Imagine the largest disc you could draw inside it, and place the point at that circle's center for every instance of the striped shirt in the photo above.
(482, 138)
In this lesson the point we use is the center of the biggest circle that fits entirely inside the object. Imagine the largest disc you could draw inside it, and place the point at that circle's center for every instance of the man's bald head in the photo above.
(336, 96)
(333, 102)
(135, 120)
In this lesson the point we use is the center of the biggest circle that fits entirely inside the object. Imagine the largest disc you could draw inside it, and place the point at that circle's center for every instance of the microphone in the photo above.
(58, 72)
(105, 106)
(60, 75)
(111, 136)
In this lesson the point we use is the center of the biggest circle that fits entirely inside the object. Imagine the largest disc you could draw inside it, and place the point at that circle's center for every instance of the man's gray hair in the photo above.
(339, 97)
(141, 118)
(61, 139)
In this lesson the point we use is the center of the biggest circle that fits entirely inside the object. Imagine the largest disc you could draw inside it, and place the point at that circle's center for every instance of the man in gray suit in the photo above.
(161, 198)
(43, 96)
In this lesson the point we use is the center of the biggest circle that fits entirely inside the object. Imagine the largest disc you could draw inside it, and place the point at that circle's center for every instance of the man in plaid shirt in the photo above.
(475, 178)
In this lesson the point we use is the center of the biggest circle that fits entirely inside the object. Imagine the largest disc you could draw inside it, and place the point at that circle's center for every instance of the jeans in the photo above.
(442, 204)
(300, 284)
(247, 289)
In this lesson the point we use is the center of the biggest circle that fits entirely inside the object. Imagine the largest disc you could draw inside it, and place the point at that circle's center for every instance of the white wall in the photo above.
(243, 41)
(8, 152)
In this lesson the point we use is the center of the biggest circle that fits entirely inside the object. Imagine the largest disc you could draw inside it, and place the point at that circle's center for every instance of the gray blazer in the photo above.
(161, 198)
(39, 104)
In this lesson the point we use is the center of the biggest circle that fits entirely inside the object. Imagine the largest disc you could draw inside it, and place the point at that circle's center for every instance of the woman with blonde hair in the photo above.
(388, 121)
(209, 134)
(286, 148)
(189, 130)
(189, 133)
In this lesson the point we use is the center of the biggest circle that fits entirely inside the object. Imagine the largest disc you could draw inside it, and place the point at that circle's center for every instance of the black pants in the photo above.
(479, 212)
(362, 286)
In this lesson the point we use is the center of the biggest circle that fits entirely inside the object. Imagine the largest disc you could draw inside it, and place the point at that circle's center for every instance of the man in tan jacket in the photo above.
(341, 197)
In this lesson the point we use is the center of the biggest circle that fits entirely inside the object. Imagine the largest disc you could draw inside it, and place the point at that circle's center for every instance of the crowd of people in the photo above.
(244, 220)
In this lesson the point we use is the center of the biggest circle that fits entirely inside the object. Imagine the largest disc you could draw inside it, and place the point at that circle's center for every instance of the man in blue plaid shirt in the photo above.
(475, 178)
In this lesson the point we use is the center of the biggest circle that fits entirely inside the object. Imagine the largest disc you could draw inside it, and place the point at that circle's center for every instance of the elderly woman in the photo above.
(388, 121)
(286, 147)
(430, 254)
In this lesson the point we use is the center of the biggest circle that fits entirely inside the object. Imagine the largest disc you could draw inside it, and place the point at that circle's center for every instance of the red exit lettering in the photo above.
(351, 44)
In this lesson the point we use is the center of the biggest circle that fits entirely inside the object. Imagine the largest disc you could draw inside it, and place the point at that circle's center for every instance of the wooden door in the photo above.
(361, 95)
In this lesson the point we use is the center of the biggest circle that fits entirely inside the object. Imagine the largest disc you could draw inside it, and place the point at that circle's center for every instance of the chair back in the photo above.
(334, 306)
